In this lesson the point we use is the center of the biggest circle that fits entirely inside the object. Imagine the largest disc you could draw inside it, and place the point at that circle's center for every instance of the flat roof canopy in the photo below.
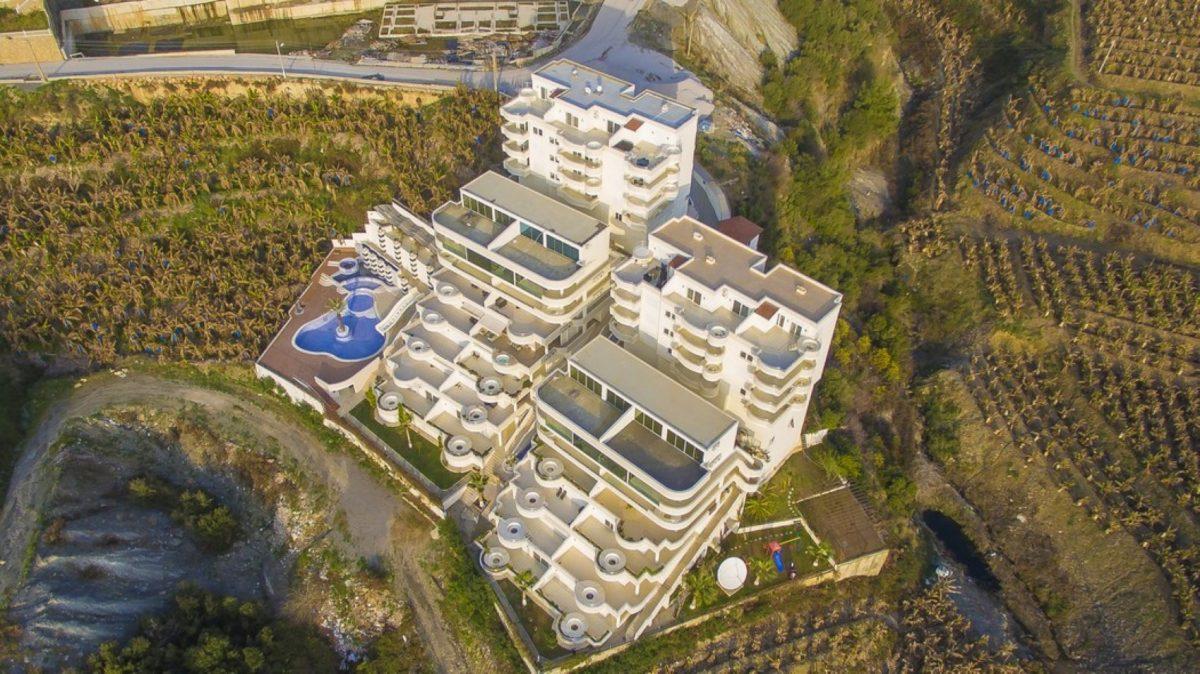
(535, 208)
(645, 386)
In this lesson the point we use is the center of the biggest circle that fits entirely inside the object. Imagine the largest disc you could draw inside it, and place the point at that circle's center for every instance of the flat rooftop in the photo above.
(587, 87)
(539, 259)
(660, 460)
(650, 389)
(716, 260)
(535, 208)
(584, 408)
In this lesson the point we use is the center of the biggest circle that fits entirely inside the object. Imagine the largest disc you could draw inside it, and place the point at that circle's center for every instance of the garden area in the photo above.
(799, 552)
(798, 478)
(421, 453)
(537, 623)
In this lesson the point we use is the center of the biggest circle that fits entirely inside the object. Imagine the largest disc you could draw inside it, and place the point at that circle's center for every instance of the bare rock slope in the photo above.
(727, 37)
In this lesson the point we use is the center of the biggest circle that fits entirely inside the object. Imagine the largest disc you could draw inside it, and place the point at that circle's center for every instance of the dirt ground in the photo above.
(380, 523)
(1077, 588)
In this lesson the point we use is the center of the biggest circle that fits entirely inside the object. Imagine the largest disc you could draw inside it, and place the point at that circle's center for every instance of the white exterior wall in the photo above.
(539, 135)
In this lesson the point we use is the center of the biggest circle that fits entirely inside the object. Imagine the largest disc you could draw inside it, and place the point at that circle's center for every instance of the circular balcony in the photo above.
(627, 300)
(420, 349)
(611, 561)
(458, 446)
(523, 337)
(505, 363)
(589, 596)
(489, 389)
(573, 627)
(549, 472)
(474, 418)
(718, 336)
(712, 372)
(434, 321)
(495, 560)
(387, 408)
(511, 532)
(531, 503)
(450, 294)
(809, 344)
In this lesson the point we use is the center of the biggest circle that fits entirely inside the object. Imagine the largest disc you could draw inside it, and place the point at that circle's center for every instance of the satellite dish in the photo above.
(731, 574)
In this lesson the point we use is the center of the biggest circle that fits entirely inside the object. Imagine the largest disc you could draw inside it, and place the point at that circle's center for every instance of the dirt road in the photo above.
(380, 523)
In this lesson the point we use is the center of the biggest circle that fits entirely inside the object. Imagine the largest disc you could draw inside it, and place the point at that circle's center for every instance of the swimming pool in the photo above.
(362, 339)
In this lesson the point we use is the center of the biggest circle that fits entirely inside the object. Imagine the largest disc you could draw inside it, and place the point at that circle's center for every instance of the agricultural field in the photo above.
(1077, 212)
(1145, 41)
(181, 219)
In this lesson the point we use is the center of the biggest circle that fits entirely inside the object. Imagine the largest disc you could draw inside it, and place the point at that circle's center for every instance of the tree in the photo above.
(337, 305)
(702, 584)
(524, 580)
(761, 567)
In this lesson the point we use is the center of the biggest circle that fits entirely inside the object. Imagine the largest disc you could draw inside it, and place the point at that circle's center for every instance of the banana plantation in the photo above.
(181, 223)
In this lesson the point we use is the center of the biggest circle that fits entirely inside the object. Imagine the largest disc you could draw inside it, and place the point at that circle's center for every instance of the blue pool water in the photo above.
(319, 336)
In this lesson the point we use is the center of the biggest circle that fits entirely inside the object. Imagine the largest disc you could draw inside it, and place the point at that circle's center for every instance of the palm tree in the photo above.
(702, 583)
(524, 580)
(479, 481)
(761, 567)
(758, 507)
(337, 305)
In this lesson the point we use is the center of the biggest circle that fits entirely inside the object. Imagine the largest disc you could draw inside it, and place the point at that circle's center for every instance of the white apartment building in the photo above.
(749, 339)
(472, 17)
(632, 478)
(518, 276)
(597, 143)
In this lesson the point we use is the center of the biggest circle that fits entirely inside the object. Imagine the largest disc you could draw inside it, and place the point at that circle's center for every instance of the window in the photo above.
(562, 248)
(649, 423)
(740, 309)
(572, 120)
(616, 401)
(584, 378)
(504, 219)
(454, 247)
(613, 127)
(797, 331)
(531, 232)
(537, 130)
(489, 266)
(684, 446)
(694, 295)
(542, 91)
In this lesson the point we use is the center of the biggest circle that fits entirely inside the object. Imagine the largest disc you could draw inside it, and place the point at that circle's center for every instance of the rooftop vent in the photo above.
(599, 88)
(664, 108)
(574, 72)
(587, 89)
(697, 234)
(800, 289)
(709, 259)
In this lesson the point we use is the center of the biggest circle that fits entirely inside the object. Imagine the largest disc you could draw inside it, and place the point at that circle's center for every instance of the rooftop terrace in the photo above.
(669, 466)
(648, 388)
(716, 260)
(534, 207)
(586, 87)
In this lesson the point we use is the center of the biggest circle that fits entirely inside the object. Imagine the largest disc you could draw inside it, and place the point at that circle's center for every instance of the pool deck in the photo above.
(285, 360)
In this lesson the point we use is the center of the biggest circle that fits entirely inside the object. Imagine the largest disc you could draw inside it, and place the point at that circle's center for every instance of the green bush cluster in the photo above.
(466, 597)
(202, 633)
(213, 525)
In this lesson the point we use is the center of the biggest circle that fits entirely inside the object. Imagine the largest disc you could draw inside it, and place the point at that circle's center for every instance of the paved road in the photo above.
(606, 46)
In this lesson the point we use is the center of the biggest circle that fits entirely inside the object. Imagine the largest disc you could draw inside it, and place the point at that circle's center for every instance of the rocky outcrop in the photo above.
(727, 36)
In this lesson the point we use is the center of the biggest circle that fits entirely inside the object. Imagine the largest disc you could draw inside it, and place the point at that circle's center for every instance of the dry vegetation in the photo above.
(182, 220)
(1147, 40)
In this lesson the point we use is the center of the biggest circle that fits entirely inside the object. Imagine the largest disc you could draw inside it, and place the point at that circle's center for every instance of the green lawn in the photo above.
(798, 478)
(797, 550)
(422, 454)
(10, 20)
(537, 623)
